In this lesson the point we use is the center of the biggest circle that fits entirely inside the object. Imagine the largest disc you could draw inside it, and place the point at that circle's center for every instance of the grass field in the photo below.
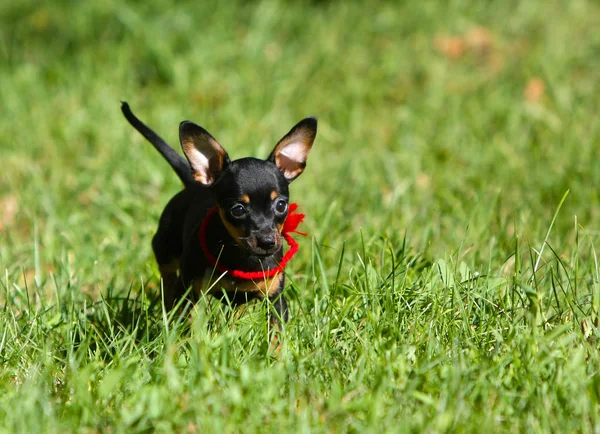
(450, 282)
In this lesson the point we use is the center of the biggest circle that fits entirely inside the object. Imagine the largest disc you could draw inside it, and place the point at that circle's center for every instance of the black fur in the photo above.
(177, 162)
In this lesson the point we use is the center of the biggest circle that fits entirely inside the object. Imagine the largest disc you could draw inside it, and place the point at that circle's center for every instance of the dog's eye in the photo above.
(238, 210)
(281, 206)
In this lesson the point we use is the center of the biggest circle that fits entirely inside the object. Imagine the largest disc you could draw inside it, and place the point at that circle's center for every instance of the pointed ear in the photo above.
(291, 152)
(207, 158)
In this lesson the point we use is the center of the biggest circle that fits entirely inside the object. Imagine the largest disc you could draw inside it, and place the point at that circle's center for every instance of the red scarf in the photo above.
(289, 226)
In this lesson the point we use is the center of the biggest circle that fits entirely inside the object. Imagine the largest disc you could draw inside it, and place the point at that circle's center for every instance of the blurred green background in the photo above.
(452, 128)
(424, 113)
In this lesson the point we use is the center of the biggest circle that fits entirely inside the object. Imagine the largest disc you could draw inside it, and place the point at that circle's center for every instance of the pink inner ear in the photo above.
(291, 158)
(295, 151)
(290, 168)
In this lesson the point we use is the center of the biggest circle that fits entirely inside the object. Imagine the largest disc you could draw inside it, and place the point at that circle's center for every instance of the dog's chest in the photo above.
(213, 283)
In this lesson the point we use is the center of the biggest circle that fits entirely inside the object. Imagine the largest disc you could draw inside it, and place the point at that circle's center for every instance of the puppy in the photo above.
(223, 233)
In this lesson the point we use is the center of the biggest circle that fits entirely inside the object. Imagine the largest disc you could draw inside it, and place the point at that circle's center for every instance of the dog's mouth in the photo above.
(262, 253)
(264, 245)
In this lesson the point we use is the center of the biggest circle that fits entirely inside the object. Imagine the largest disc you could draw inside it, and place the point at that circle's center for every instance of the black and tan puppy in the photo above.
(251, 198)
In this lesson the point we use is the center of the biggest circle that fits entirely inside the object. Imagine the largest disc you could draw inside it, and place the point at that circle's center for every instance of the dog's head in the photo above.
(252, 194)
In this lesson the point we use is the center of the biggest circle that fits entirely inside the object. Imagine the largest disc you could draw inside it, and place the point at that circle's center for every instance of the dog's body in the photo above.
(251, 197)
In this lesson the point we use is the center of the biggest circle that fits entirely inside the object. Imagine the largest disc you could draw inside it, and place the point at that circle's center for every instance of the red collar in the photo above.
(289, 226)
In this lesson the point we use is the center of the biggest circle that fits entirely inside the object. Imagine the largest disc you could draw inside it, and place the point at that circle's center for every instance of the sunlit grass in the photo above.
(450, 281)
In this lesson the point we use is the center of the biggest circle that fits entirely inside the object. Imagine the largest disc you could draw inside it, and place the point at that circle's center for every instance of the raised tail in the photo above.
(177, 162)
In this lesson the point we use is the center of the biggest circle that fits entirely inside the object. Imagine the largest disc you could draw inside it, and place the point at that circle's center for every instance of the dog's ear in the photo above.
(207, 158)
(291, 152)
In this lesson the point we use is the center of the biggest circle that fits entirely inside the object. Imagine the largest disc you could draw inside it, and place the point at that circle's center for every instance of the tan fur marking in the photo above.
(266, 287)
(274, 195)
(275, 346)
(234, 231)
(270, 286)
(245, 199)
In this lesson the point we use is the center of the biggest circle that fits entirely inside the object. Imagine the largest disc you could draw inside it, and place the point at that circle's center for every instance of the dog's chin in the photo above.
(262, 253)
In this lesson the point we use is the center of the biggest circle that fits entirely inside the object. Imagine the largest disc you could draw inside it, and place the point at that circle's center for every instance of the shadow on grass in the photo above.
(119, 324)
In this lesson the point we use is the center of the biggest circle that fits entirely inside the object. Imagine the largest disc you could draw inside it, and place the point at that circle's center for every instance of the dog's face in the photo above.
(253, 203)
(252, 194)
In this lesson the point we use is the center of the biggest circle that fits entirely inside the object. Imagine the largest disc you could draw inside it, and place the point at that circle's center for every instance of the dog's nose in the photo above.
(265, 242)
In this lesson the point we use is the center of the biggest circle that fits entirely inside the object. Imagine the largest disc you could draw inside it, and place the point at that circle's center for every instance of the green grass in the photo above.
(445, 286)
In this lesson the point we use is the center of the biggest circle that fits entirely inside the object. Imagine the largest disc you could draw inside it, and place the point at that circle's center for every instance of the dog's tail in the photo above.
(177, 162)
